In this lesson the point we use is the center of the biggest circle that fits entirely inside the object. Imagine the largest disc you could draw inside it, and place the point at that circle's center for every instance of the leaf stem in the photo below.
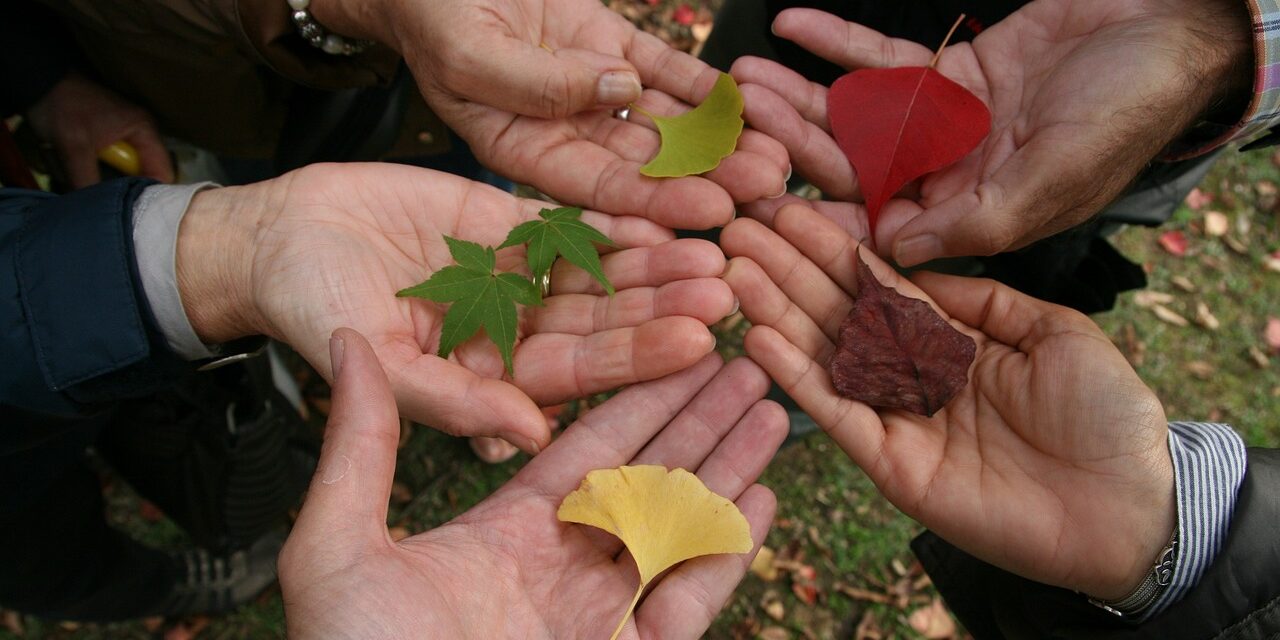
(938, 54)
(627, 615)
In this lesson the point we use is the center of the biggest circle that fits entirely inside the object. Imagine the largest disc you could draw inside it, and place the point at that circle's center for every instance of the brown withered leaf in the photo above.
(933, 622)
(896, 352)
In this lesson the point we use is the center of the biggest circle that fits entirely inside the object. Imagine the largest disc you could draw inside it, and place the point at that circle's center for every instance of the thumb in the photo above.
(352, 484)
(531, 80)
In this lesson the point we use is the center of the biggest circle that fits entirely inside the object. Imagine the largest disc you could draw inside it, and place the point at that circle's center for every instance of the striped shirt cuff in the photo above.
(1263, 112)
(1208, 467)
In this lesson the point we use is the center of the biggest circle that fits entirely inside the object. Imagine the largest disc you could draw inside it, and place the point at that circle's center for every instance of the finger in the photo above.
(626, 231)
(555, 367)
(850, 217)
(813, 151)
(535, 81)
(447, 396)
(999, 312)
(706, 299)
(1005, 211)
(352, 482)
(847, 44)
(644, 267)
(668, 70)
(153, 157)
(854, 426)
(763, 303)
(712, 414)
(610, 435)
(81, 164)
(804, 282)
(809, 99)
(686, 601)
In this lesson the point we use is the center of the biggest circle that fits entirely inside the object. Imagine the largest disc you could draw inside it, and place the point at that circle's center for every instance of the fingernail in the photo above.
(737, 304)
(534, 449)
(788, 178)
(780, 193)
(618, 88)
(917, 249)
(336, 347)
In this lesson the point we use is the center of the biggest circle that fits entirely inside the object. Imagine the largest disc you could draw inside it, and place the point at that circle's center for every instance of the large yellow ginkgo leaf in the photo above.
(663, 517)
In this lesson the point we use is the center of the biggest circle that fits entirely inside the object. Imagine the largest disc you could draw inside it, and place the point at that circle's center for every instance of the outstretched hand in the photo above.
(1052, 463)
(508, 567)
(1083, 95)
(328, 246)
(531, 86)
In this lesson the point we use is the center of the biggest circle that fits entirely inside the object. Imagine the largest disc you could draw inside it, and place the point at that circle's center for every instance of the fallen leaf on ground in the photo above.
(896, 125)
(663, 517)
(804, 584)
(1198, 199)
(1175, 242)
(1235, 244)
(1184, 283)
(862, 594)
(1169, 315)
(400, 492)
(1148, 299)
(774, 633)
(1205, 318)
(683, 15)
(1259, 358)
(868, 628)
(771, 602)
(1201, 369)
(696, 141)
(762, 565)
(896, 352)
(398, 533)
(1272, 262)
(187, 629)
(933, 621)
(1216, 223)
(1272, 334)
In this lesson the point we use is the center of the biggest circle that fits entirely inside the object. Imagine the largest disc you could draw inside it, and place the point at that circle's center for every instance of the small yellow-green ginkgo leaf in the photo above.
(696, 141)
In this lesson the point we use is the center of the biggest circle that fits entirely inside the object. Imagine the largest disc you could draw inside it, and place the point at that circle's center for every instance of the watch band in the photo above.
(1157, 580)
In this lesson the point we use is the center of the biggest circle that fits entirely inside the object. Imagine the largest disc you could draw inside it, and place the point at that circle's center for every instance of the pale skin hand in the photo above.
(1052, 463)
(80, 117)
(1083, 95)
(521, 81)
(508, 568)
(328, 246)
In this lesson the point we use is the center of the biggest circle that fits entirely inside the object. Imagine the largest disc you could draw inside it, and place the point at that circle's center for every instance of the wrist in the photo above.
(1144, 539)
(1221, 32)
(214, 263)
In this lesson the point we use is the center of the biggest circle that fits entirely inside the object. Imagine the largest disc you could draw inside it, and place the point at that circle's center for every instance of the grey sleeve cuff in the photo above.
(156, 217)
(1208, 467)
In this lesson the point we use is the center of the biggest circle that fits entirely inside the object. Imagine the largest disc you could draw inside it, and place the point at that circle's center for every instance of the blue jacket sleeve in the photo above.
(75, 330)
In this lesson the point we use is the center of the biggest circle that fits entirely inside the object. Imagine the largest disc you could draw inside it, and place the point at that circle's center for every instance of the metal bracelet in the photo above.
(312, 32)
(1159, 579)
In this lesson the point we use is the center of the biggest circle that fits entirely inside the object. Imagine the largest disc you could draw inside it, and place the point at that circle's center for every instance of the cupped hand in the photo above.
(328, 246)
(80, 117)
(507, 567)
(1052, 463)
(531, 86)
(1083, 95)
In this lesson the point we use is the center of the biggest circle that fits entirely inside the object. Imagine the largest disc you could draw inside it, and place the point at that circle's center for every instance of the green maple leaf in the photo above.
(696, 141)
(479, 296)
(560, 231)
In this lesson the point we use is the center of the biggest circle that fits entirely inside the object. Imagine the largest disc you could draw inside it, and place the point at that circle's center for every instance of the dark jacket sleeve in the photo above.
(75, 330)
(1238, 597)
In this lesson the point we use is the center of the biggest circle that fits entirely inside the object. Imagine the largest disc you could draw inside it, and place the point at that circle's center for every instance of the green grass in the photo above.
(830, 516)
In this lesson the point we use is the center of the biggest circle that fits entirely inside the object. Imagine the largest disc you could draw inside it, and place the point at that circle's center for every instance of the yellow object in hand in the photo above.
(121, 156)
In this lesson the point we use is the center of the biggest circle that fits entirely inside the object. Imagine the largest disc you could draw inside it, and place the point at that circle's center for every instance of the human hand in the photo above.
(508, 567)
(328, 246)
(1083, 95)
(80, 117)
(1052, 463)
(531, 84)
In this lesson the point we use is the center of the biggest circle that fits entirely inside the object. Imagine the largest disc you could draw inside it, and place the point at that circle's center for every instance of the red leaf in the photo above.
(1273, 335)
(896, 352)
(683, 15)
(1174, 242)
(896, 125)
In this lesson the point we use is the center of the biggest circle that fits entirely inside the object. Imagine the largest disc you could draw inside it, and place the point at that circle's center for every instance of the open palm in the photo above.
(1083, 94)
(508, 567)
(517, 79)
(1052, 462)
(332, 244)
